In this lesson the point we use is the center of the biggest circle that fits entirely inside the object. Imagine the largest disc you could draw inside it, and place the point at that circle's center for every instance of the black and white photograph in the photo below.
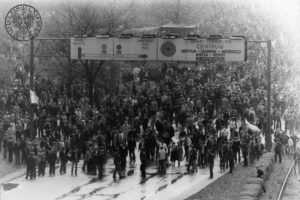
(149, 99)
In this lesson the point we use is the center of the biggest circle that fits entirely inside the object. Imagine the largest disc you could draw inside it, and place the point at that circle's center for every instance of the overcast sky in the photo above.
(286, 12)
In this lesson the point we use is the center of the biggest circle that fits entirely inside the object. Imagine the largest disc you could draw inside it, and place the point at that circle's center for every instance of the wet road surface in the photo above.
(175, 184)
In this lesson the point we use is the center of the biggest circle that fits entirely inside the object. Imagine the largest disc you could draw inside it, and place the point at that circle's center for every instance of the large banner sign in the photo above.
(160, 49)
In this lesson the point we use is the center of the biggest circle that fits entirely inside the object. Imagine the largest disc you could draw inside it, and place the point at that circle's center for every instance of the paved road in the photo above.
(6, 167)
(176, 184)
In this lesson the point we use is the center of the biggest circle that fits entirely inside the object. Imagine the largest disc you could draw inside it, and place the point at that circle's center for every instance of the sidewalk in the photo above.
(9, 171)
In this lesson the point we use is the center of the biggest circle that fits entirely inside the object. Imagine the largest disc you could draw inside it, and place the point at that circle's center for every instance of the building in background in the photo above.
(181, 30)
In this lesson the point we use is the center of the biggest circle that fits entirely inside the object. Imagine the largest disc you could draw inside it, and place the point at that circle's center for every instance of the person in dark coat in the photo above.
(123, 154)
(101, 159)
(63, 160)
(223, 154)
(5, 143)
(117, 162)
(30, 164)
(210, 160)
(143, 159)
(10, 148)
(131, 147)
(278, 150)
(192, 160)
(17, 151)
(42, 164)
(51, 160)
(210, 153)
(75, 156)
(1, 135)
(236, 146)
(244, 147)
(230, 155)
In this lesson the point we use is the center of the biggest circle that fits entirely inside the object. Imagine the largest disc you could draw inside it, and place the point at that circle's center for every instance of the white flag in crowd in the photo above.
(33, 97)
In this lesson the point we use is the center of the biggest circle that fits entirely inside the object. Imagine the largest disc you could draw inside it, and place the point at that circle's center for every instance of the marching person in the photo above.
(51, 160)
(10, 148)
(278, 150)
(244, 147)
(5, 143)
(143, 159)
(75, 156)
(123, 154)
(117, 162)
(210, 153)
(42, 164)
(17, 151)
(63, 160)
(192, 159)
(101, 162)
(162, 154)
(231, 156)
(131, 147)
(30, 164)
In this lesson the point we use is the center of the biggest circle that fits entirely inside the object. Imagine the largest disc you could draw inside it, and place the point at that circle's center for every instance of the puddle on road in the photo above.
(9, 186)
(75, 190)
(130, 172)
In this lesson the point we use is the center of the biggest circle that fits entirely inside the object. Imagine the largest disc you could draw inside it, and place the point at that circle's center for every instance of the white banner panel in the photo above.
(92, 48)
(135, 48)
(148, 48)
(226, 49)
(177, 49)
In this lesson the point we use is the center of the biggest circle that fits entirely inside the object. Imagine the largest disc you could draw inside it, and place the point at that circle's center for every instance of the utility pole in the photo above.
(31, 86)
(268, 133)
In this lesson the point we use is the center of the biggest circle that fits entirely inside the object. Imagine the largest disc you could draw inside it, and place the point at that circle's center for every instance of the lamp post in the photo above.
(268, 133)
(31, 86)
(268, 140)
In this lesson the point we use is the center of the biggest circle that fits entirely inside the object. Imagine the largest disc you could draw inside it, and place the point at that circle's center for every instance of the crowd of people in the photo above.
(190, 116)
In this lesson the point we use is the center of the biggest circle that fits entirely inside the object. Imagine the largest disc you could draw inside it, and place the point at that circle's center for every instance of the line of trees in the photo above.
(115, 16)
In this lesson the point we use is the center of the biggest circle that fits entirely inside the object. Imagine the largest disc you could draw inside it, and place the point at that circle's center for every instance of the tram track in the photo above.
(282, 188)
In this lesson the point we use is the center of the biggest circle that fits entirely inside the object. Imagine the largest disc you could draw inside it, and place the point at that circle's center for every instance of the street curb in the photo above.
(254, 186)
(12, 176)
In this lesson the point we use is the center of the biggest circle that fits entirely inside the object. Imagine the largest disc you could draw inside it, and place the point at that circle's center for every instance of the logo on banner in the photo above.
(23, 22)
(168, 49)
(119, 49)
(104, 47)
